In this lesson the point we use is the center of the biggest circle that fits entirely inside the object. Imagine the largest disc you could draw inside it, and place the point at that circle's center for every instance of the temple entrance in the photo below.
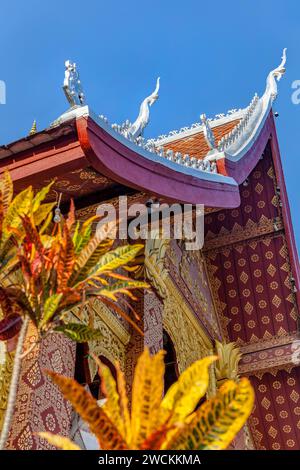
(171, 372)
(95, 385)
(82, 372)
(80, 432)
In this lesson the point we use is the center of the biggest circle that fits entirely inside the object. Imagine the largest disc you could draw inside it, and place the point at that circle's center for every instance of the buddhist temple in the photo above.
(241, 286)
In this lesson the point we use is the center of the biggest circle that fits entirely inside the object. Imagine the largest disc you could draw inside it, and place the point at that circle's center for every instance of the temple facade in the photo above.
(241, 286)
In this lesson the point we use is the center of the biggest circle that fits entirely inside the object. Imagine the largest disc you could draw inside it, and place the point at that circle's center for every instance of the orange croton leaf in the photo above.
(66, 259)
(156, 439)
(86, 406)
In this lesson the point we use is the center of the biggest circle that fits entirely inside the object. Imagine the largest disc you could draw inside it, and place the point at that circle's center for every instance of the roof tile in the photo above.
(195, 145)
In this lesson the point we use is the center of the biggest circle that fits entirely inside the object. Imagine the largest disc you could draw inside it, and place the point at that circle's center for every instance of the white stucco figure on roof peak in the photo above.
(241, 137)
(72, 85)
(207, 132)
(136, 129)
(276, 75)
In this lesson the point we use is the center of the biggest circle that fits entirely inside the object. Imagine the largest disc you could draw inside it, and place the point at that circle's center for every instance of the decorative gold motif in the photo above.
(220, 306)
(193, 283)
(90, 211)
(178, 303)
(5, 377)
(155, 271)
(111, 320)
(249, 444)
(269, 366)
(190, 341)
(228, 362)
(33, 129)
(109, 346)
(240, 234)
(115, 336)
(187, 342)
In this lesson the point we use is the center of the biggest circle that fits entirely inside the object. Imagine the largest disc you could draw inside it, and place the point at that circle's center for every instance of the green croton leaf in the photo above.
(79, 333)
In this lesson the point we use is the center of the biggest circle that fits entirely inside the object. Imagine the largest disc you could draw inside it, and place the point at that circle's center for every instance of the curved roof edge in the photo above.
(118, 158)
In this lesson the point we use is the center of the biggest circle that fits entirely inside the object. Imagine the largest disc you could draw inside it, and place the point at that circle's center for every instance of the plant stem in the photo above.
(13, 385)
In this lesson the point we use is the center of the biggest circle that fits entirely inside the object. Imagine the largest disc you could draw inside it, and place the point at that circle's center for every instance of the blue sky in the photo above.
(211, 56)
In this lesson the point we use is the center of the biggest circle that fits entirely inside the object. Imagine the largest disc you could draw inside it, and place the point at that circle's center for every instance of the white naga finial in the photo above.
(208, 134)
(274, 75)
(72, 85)
(137, 128)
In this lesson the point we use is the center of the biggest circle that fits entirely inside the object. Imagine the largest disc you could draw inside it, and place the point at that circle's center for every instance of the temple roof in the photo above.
(203, 163)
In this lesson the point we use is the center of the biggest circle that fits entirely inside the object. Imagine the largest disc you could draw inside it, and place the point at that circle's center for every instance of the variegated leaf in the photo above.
(50, 309)
(90, 256)
(116, 308)
(40, 196)
(79, 332)
(109, 389)
(63, 443)
(71, 219)
(106, 432)
(32, 235)
(43, 213)
(84, 234)
(124, 287)
(147, 391)
(65, 260)
(183, 396)
(7, 304)
(218, 420)
(19, 207)
(157, 438)
(116, 259)
(22, 300)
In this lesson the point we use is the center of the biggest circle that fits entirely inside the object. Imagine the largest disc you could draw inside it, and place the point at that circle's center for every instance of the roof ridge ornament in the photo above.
(33, 129)
(274, 75)
(72, 85)
(197, 126)
(208, 133)
(251, 112)
(136, 129)
(254, 116)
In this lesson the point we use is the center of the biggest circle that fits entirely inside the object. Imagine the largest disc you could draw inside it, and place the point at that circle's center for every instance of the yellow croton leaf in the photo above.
(217, 421)
(44, 213)
(112, 403)
(116, 258)
(19, 207)
(40, 196)
(101, 242)
(86, 406)
(183, 396)
(156, 440)
(60, 442)
(147, 392)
